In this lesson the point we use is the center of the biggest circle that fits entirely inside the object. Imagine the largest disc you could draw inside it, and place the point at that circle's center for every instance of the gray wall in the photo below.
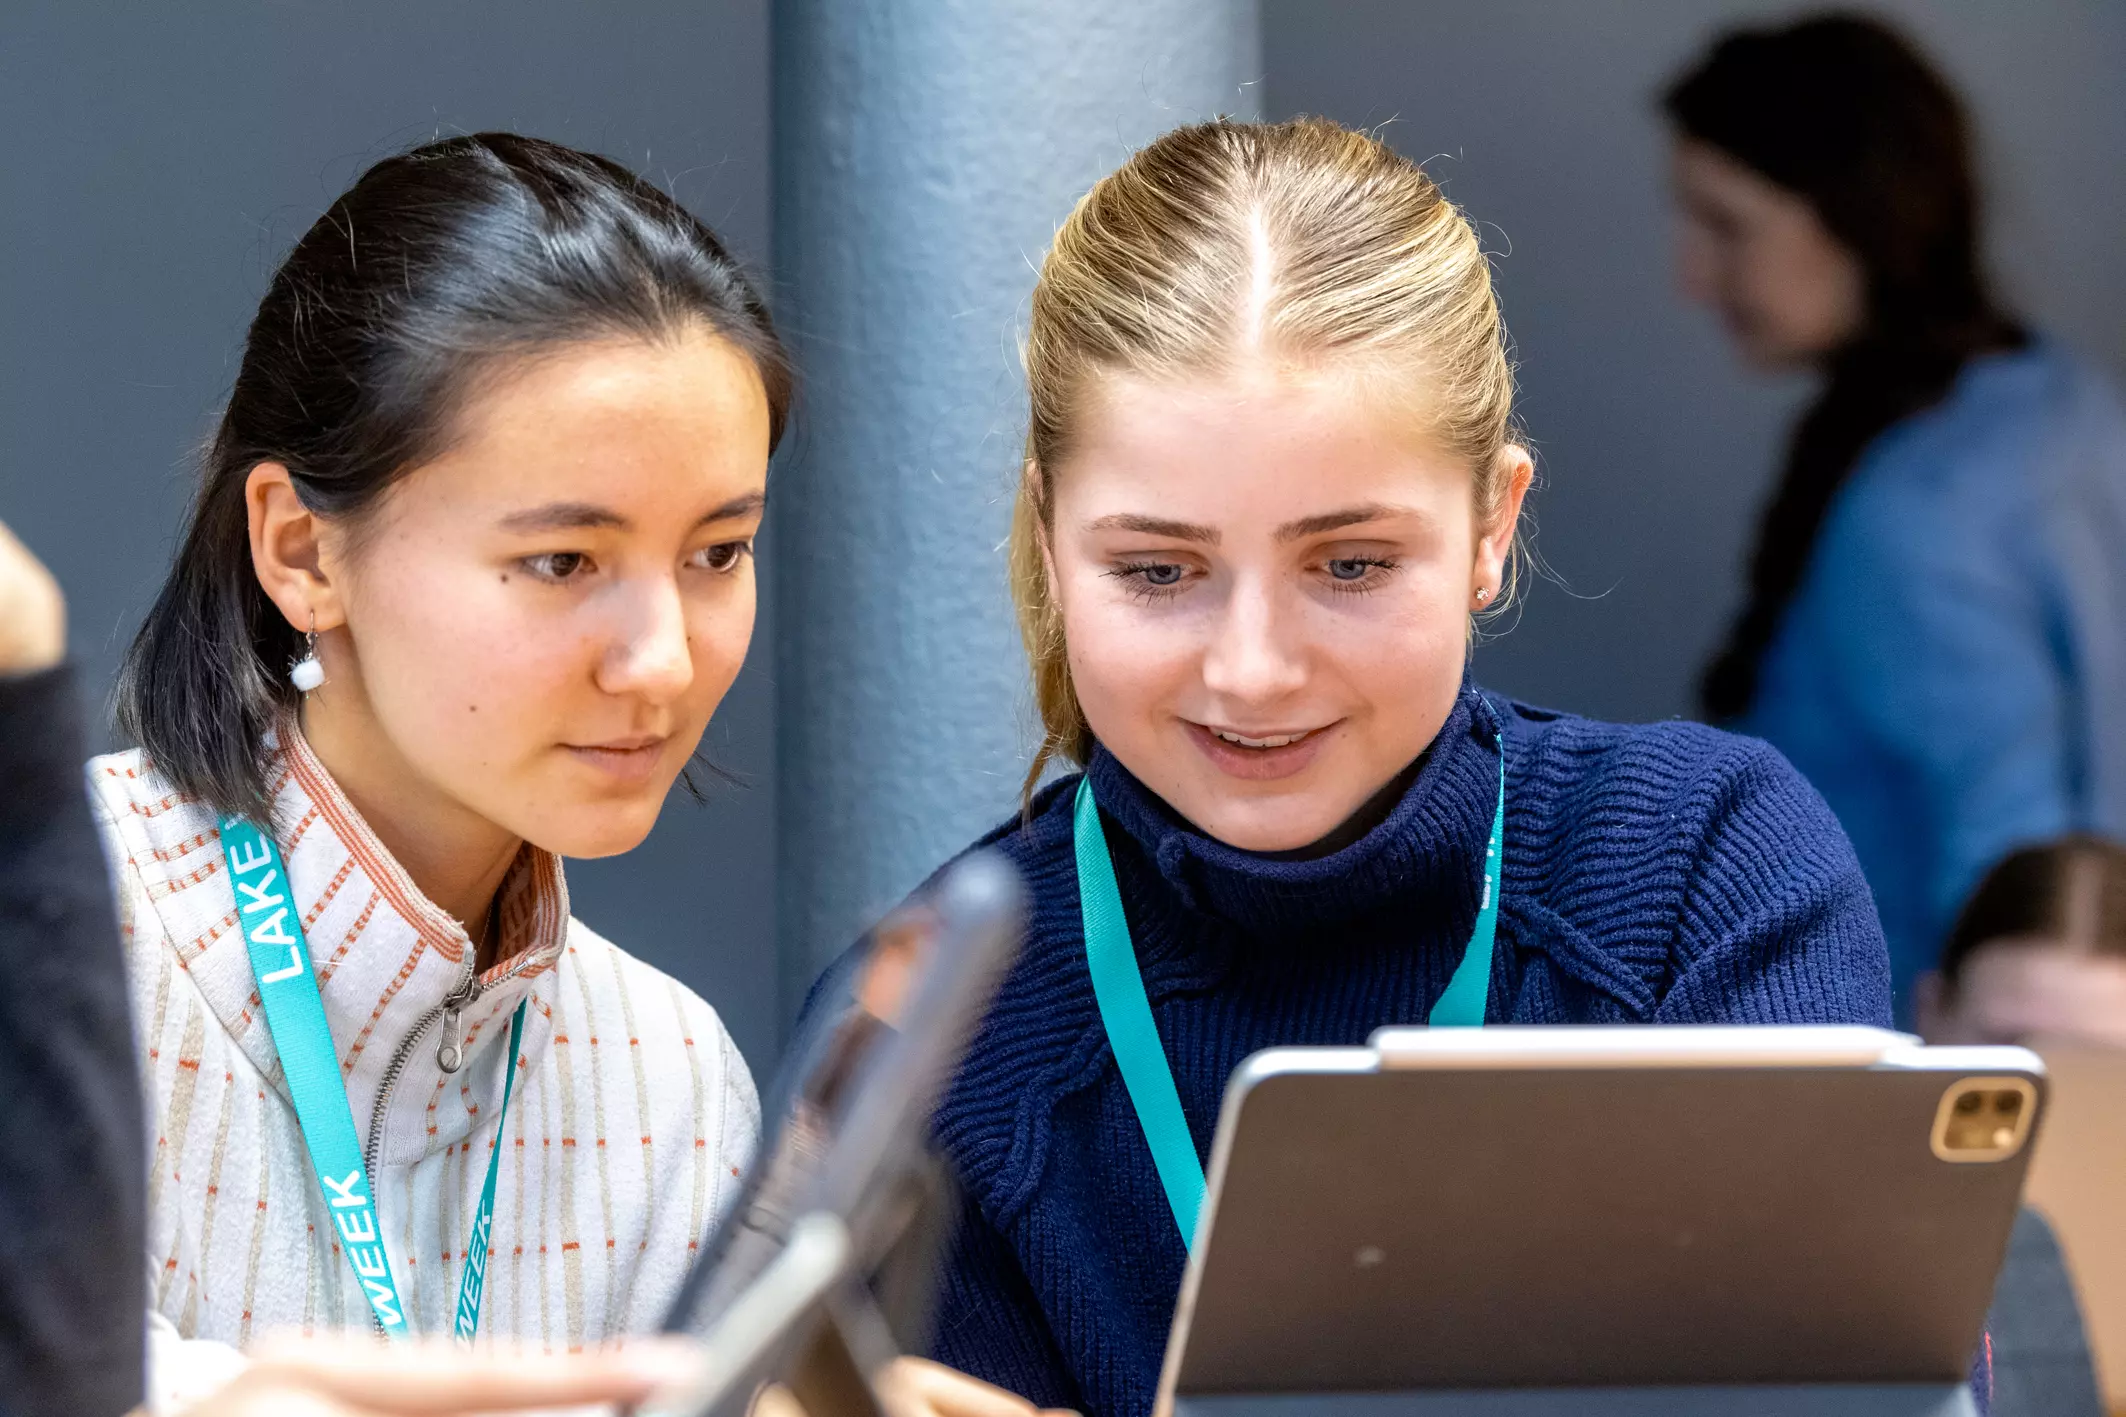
(160, 159)
(1654, 446)
(924, 156)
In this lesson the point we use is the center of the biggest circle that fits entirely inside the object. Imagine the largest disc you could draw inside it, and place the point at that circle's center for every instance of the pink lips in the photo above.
(1258, 764)
(627, 760)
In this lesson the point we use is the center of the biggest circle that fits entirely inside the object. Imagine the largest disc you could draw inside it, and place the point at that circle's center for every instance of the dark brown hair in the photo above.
(436, 264)
(2072, 889)
(1846, 113)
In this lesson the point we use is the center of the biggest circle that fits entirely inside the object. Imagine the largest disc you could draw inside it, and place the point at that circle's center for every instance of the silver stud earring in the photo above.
(306, 673)
(1483, 593)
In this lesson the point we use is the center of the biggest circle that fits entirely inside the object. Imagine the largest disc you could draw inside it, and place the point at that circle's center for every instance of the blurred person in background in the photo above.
(1935, 630)
(72, 1162)
(2039, 951)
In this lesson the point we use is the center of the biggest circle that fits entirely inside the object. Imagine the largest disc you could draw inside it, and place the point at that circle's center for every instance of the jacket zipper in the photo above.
(450, 1056)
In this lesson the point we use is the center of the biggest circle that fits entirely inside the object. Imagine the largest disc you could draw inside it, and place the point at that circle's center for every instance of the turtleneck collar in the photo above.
(1430, 844)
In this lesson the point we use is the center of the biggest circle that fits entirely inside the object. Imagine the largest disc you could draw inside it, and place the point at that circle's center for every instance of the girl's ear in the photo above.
(1516, 471)
(287, 552)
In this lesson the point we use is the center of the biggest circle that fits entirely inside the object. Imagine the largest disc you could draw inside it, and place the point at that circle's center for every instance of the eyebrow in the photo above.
(1345, 516)
(1155, 526)
(573, 516)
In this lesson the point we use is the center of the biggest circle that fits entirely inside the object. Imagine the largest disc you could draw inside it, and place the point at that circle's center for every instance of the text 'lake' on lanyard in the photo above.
(1126, 1011)
(280, 961)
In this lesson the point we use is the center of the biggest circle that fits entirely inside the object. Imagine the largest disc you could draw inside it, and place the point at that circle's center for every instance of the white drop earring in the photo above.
(306, 673)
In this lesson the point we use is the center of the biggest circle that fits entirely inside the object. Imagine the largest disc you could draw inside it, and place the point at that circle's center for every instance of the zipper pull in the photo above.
(450, 1049)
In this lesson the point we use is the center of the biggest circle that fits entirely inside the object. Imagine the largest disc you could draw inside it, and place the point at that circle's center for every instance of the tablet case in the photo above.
(1433, 1232)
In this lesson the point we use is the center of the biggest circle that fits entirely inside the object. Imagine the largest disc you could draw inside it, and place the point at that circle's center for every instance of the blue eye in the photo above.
(1358, 575)
(1151, 580)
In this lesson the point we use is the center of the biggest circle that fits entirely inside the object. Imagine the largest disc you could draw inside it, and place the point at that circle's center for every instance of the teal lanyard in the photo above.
(1126, 1012)
(280, 960)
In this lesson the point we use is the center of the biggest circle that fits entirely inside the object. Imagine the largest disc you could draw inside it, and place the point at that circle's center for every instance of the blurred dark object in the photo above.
(73, 1231)
(2041, 1360)
(823, 1272)
(1845, 112)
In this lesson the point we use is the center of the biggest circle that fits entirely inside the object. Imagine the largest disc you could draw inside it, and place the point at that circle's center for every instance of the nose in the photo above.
(650, 657)
(1256, 654)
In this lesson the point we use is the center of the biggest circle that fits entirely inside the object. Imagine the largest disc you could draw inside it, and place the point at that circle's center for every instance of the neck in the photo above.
(456, 857)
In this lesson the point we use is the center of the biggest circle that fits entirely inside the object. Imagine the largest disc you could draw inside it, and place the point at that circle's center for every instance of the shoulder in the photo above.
(1586, 795)
(159, 843)
(663, 1014)
(134, 802)
(1587, 777)
(1633, 848)
(2012, 426)
(689, 1077)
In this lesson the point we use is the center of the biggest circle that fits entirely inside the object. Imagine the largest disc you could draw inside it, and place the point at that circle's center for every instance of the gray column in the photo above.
(925, 151)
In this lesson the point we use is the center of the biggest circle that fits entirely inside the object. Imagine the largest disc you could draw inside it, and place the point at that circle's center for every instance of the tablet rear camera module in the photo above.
(1984, 1119)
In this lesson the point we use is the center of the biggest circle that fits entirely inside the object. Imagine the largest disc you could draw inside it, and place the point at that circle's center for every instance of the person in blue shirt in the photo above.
(1271, 482)
(1935, 633)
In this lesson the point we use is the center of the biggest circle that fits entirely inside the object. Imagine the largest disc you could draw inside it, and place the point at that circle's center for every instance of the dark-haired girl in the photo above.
(470, 570)
(1933, 633)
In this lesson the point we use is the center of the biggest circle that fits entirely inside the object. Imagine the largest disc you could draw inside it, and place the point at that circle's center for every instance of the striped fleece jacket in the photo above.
(631, 1120)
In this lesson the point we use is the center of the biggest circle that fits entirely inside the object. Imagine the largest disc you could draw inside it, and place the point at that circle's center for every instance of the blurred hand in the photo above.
(32, 614)
(359, 1377)
(917, 1387)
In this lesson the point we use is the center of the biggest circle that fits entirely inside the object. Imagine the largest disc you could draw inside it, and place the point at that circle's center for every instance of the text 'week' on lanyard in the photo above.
(1126, 1011)
(280, 960)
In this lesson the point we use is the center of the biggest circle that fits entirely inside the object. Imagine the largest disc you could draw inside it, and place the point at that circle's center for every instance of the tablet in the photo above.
(845, 1135)
(1602, 1208)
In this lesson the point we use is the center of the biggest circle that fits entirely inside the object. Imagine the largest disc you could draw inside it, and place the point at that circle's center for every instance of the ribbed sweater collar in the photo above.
(1428, 849)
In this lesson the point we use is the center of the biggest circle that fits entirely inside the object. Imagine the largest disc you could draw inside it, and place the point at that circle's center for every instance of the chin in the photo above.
(1269, 826)
(593, 830)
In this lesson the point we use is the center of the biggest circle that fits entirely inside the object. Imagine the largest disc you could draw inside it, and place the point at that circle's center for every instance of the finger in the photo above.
(435, 1378)
(775, 1400)
(934, 1390)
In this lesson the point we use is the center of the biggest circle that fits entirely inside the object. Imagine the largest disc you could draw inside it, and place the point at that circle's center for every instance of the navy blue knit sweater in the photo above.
(1667, 873)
